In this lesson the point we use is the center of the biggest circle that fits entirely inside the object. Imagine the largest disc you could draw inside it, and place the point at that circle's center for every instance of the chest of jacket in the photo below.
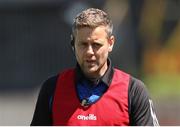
(111, 109)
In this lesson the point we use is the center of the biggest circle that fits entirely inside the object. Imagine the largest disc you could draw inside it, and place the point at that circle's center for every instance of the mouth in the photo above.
(90, 62)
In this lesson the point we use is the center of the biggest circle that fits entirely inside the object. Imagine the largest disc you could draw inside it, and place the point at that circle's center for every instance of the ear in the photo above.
(72, 40)
(111, 41)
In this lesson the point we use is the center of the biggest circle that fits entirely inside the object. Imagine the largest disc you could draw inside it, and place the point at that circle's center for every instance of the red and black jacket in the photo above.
(126, 103)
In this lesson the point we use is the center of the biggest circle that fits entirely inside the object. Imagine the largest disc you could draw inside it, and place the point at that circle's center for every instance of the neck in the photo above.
(98, 74)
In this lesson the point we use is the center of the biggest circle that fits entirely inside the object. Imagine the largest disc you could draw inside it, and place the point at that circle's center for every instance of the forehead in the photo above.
(84, 32)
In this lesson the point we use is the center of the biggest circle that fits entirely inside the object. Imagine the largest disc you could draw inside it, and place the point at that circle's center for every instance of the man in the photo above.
(94, 92)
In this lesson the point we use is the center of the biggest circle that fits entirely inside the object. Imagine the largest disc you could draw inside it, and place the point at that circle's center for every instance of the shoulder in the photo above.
(51, 80)
(49, 85)
(67, 72)
(121, 76)
(137, 87)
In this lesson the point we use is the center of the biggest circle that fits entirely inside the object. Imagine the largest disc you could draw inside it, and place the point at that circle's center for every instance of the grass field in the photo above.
(163, 85)
(165, 91)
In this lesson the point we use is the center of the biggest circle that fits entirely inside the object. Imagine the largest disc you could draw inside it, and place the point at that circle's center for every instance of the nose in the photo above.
(90, 50)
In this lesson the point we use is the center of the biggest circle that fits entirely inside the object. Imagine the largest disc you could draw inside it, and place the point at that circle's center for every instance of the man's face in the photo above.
(92, 47)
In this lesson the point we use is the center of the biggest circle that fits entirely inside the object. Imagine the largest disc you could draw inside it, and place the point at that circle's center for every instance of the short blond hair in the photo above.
(92, 18)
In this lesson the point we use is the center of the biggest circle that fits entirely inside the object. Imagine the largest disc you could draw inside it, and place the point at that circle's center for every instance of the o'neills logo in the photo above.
(89, 117)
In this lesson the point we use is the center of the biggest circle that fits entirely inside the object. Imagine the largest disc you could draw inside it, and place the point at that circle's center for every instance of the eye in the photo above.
(82, 44)
(97, 45)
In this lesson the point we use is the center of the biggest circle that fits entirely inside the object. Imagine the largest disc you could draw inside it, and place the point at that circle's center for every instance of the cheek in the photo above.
(103, 54)
(79, 56)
